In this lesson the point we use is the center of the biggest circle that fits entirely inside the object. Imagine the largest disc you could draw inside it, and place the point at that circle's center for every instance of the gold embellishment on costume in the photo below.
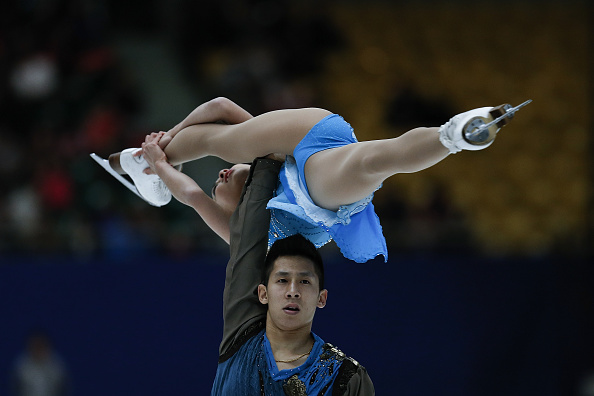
(294, 387)
(297, 358)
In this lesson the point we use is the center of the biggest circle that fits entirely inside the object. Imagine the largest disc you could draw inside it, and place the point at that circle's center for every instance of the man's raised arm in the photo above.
(248, 247)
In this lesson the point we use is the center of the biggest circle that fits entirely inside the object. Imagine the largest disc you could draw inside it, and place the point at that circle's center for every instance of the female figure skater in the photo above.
(326, 184)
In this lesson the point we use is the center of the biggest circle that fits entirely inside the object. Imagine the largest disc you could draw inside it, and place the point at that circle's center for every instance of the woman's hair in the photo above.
(295, 245)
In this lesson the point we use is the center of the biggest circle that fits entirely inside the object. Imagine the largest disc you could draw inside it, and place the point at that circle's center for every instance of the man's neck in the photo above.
(288, 344)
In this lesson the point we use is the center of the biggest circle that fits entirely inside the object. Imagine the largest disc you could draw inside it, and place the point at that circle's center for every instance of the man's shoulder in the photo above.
(330, 351)
(246, 333)
(348, 367)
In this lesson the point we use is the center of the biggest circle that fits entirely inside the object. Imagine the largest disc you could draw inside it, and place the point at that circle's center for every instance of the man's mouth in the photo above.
(291, 309)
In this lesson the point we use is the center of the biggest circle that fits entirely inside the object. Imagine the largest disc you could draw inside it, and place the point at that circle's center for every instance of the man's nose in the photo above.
(293, 291)
(222, 173)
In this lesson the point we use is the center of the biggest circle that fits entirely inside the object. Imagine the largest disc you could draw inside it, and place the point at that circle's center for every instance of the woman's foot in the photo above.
(476, 129)
(453, 134)
(151, 187)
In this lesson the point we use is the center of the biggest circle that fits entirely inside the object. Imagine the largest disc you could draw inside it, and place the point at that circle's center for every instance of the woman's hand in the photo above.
(165, 140)
(152, 151)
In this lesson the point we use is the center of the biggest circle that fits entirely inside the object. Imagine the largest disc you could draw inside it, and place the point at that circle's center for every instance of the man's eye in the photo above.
(305, 281)
(282, 281)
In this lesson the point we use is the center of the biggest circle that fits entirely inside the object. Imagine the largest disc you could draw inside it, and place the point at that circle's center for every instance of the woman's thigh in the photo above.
(341, 175)
(274, 132)
(346, 174)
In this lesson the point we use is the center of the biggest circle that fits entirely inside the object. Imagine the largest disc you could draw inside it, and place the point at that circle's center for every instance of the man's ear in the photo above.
(262, 294)
(322, 299)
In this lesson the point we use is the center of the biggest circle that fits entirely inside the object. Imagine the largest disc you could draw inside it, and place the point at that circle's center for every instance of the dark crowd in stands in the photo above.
(65, 93)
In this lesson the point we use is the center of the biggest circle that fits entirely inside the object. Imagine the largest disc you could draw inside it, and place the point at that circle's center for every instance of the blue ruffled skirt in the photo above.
(355, 228)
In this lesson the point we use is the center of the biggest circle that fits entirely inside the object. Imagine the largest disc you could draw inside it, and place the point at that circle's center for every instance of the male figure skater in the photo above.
(268, 309)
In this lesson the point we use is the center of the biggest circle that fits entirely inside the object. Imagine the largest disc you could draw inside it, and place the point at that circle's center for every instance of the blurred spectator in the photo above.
(407, 108)
(435, 224)
(65, 93)
(39, 371)
(23, 211)
(428, 222)
(35, 77)
(264, 53)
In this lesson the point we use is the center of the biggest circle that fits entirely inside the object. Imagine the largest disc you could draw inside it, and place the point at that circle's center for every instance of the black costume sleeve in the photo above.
(248, 247)
(359, 383)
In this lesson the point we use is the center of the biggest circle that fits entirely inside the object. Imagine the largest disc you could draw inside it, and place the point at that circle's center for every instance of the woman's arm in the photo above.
(216, 110)
(185, 189)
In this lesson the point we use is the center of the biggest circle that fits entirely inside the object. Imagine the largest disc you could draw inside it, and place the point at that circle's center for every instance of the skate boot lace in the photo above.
(446, 133)
(161, 190)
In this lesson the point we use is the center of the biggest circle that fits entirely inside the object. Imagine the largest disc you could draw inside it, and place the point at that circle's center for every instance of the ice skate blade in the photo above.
(105, 165)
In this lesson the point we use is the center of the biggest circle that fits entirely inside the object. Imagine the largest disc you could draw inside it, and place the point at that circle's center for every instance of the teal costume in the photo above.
(252, 371)
(246, 363)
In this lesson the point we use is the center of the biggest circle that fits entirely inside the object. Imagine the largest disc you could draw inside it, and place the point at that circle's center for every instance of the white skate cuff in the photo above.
(447, 142)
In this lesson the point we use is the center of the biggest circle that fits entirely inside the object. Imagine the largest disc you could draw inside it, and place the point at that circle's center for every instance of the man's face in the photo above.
(292, 294)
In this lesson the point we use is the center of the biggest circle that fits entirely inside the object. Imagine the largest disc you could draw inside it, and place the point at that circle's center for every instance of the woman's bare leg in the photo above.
(218, 110)
(274, 132)
(346, 174)
(334, 177)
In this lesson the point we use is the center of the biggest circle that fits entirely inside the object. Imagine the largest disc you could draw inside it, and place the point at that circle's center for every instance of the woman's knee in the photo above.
(220, 105)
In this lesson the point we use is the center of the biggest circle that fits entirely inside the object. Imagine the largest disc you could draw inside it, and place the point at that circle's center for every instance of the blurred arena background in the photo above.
(489, 286)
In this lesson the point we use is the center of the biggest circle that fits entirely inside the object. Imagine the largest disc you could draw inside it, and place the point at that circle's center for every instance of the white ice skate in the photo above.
(476, 129)
(150, 188)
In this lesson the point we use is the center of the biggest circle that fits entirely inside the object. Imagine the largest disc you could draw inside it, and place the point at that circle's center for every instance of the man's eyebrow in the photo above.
(302, 273)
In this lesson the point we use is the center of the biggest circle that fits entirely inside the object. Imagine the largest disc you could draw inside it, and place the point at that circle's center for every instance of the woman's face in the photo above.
(228, 186)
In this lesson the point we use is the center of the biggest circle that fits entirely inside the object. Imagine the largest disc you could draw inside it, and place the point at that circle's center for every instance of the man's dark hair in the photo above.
(295, 245)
